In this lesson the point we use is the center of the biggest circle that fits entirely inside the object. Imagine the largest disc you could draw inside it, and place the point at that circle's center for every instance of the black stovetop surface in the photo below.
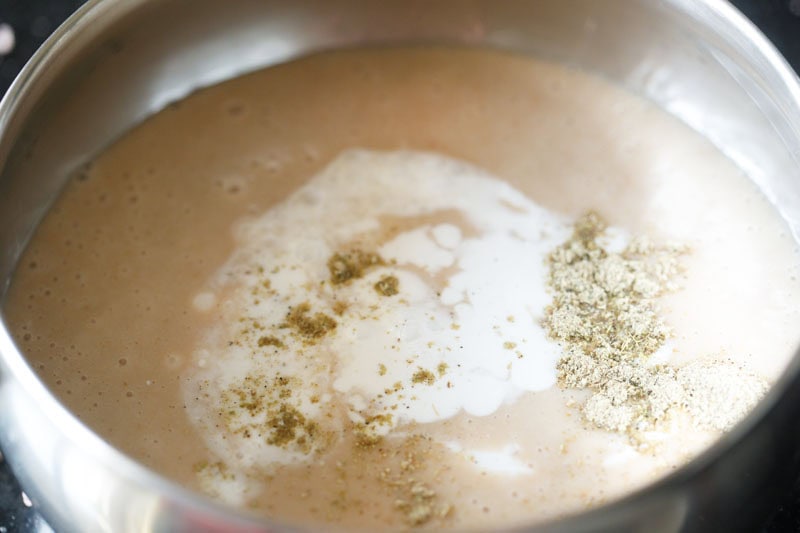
(33, 20)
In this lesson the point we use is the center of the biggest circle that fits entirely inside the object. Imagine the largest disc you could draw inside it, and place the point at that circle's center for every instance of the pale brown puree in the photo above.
(102, 302)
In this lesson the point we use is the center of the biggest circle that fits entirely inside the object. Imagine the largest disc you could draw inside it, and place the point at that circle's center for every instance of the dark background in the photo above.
(33, 20)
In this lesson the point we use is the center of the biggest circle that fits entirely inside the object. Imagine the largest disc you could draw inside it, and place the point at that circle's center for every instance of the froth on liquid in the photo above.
(185, 286)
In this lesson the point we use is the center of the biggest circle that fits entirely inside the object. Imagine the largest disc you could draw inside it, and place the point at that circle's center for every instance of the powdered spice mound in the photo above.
(605, 315)
(604, 303)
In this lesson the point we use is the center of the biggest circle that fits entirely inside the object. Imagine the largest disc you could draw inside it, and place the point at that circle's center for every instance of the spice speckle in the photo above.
(311, 328)
(344, 267)
(387, 286)
(423, 376)
(270, 340)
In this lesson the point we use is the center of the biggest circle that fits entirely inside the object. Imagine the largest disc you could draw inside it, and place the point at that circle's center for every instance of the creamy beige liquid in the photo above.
(105, 303)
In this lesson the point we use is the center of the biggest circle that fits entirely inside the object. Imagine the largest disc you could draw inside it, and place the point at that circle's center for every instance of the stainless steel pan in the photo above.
(117, 61)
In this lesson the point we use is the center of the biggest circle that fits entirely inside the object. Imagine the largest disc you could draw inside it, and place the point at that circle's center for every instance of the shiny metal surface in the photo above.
(116, 62)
